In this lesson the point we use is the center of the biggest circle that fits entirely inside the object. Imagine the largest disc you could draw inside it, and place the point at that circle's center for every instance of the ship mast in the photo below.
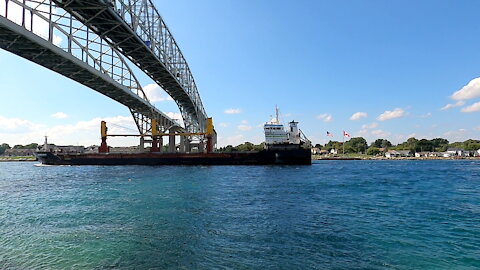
(276, 113)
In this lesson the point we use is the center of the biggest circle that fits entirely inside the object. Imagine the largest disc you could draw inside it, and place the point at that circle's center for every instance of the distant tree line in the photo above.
(359, 145)
(244, 147)
(5, 146)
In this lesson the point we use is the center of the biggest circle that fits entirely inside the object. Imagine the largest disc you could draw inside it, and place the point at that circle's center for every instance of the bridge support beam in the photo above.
(171, 141)
(141, 147)
(187, 145)
(201, 146)
(103, 146)
(103, 132)
(209, 144)
(160, 144)
(154, 147)
(182, 144)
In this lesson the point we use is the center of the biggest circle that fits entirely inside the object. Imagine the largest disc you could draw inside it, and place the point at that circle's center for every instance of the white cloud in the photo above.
(380, 133)
(449, 106)
(358, 115)
(17, 125)
(19, 131)
(427, 115)
(325, 117)
(372, 125)
(469, 91)
(231, 140)
(244, 127)
(223, 124)
(155, 93)
(388, 115)
(362, 133)
(456, 135)
(59, 115)
(232, 111)
(475, 107)
(177, 117)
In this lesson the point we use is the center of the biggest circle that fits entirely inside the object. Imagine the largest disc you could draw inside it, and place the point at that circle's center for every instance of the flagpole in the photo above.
(343, 143)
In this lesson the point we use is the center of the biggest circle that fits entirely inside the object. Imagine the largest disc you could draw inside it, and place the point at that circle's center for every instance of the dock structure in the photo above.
(93, 42)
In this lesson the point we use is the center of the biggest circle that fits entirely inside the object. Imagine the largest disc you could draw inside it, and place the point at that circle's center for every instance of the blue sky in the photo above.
(394, 65)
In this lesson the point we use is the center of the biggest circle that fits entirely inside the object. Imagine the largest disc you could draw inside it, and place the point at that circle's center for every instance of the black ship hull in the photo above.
(298, 156)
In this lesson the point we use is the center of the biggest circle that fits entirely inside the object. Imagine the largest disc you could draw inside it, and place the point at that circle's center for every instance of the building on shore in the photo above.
(398, 153)
(456, 152)
(422, 154)
(14, 152)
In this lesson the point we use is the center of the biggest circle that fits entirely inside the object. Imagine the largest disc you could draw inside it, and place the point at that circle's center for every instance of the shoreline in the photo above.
(400, 158)
(19, 159)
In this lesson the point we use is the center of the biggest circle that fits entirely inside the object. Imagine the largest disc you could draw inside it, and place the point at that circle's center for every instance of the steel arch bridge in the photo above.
(87, 40)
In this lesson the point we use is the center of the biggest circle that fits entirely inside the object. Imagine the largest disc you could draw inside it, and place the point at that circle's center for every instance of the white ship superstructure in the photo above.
(276, 135)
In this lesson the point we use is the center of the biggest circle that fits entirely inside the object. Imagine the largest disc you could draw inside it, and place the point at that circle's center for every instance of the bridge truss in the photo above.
(87, 40)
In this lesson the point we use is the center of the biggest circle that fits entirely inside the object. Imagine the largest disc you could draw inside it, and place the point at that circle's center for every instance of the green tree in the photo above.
(471, 145)
(259, 147)
(381, 143)
(28, 146)
(424, 145)
(4, 147)
(31, 146)
(373, 151)
(356, 145)
(410, 144)
(229, 148)
(440, 144)
(333, 145)
(245, 147)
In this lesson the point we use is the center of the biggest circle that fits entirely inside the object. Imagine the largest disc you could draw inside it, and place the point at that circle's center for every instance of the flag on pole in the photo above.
(345, 134)
(329, 134)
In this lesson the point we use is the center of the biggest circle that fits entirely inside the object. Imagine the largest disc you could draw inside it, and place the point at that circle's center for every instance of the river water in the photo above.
(331, 215)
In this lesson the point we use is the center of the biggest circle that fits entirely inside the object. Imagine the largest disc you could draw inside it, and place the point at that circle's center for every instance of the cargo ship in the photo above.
(282, 147)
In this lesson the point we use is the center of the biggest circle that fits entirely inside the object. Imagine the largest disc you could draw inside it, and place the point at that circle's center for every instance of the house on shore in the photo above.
(422, 154)
(456, 152)
(435, 154)
(398, 153)
(392, 154)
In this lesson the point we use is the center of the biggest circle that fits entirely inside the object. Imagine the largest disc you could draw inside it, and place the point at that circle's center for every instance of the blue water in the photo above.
(331, 215)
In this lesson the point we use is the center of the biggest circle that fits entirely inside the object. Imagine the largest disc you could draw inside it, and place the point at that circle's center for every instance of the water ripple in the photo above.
(331, 215)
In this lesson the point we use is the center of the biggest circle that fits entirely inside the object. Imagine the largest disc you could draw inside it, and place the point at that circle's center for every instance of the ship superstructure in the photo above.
(276, 135)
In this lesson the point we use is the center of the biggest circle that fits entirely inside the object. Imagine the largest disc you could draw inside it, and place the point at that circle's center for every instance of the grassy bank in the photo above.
(26, 158)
